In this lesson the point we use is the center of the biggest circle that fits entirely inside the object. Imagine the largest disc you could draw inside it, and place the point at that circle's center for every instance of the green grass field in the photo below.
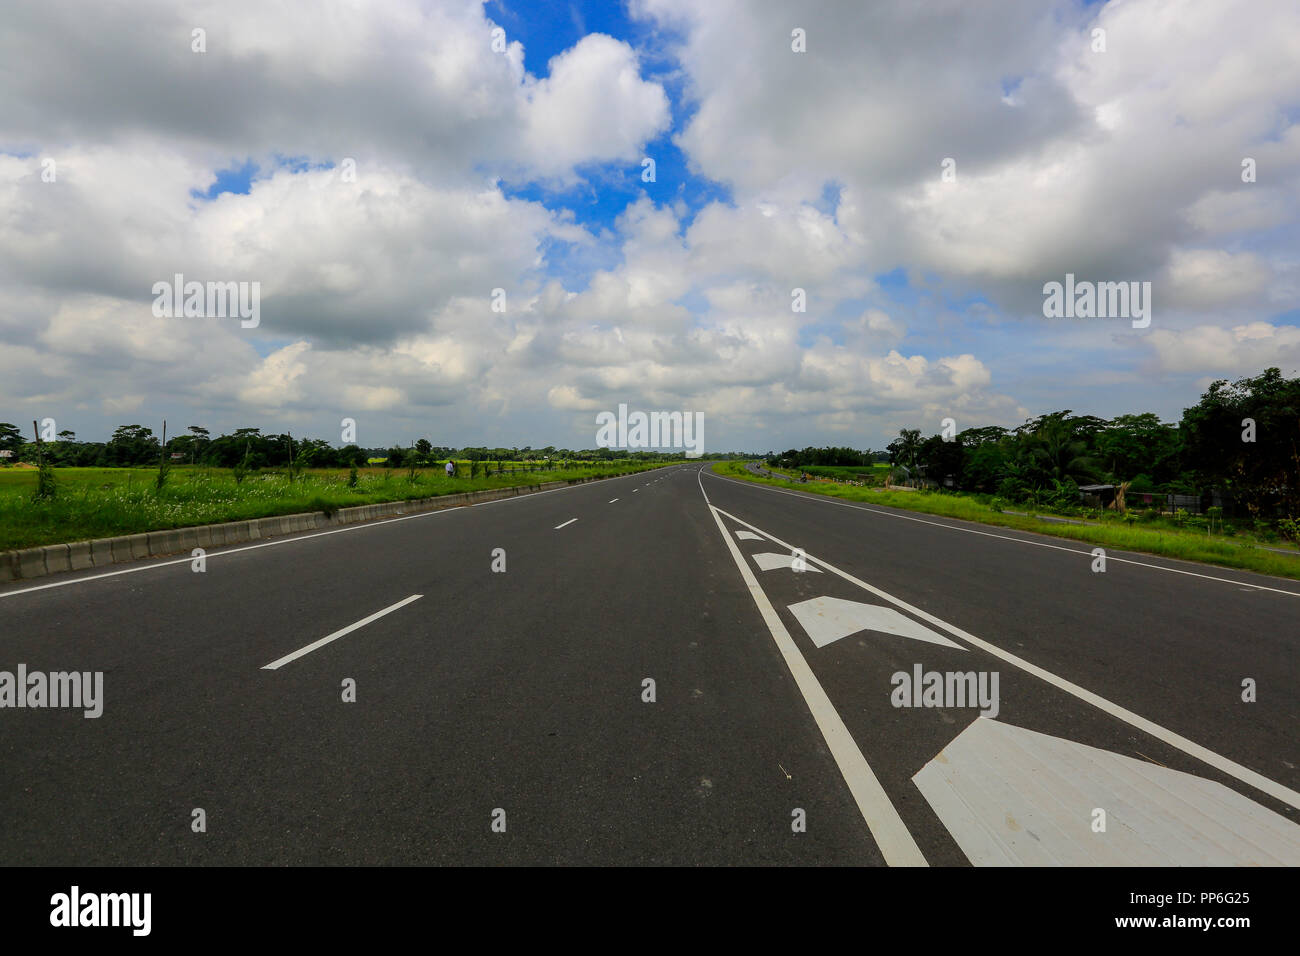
(104, 502)
(846, 472)
(1114, 534)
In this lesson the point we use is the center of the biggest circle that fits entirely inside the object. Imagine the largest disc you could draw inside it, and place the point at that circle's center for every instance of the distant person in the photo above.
(451, 469)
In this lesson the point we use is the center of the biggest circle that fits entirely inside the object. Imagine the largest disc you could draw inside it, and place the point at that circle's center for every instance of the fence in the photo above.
(1192, 504)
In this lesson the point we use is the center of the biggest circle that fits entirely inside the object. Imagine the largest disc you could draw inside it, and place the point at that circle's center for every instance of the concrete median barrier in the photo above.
(28, 563)
(121, 549)
(79, 556)
(164, 542)
(101, 552)
(57, 558)
(31, 563)
(139, 545)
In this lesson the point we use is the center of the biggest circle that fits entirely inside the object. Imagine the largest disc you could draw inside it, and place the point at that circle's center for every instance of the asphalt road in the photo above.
(1116, 731)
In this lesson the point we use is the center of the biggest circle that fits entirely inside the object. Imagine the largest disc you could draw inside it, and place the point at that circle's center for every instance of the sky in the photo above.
(380, 167)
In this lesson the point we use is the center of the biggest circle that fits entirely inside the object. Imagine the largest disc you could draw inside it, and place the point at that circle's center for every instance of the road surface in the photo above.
(504, 716)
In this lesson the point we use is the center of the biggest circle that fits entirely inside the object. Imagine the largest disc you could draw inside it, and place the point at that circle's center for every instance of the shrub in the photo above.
(1141, 485)
(320, 504)
(46, 486)
(241, 470)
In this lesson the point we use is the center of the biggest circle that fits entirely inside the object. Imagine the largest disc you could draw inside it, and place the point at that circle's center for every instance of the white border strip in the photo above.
(886, 826)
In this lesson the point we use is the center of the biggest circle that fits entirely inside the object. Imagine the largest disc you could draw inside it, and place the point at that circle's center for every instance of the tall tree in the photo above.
(1245, 439)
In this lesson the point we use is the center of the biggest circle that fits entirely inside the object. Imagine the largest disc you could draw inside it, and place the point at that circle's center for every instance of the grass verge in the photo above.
(1185, 546)
(105, 502)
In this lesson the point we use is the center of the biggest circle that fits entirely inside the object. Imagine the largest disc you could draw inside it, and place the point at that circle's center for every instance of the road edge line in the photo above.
(1233, 769)
(883, 821)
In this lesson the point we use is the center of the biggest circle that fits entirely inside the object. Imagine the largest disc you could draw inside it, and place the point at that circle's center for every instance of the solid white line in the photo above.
(359, 526)
(565, 525)
(1006, 537)
(276, 665)
(886, 826)
(1233, 769)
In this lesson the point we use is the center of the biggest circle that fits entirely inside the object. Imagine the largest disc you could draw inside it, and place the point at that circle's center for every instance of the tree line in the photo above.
(795, 458)
(138, 446)
(1241, 440)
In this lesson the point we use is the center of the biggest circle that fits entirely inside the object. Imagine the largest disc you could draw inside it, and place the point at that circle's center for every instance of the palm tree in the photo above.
(904, 449)
(1059, 455)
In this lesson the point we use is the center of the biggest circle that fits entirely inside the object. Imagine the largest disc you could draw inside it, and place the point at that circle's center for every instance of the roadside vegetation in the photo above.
(104, 502)
(1220, 486)
(1230, 465)
(1222, 480)
(1168, 536)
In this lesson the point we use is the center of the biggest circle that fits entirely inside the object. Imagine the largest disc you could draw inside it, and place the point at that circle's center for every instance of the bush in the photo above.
(320, 504)
(46, 486)
(1141, 485)
(1012, 489)
(242, 469)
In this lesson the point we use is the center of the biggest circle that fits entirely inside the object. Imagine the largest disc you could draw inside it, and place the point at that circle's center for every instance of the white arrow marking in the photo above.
(1012, 796)
(770, 562)
(1218, 761)
(827, 619)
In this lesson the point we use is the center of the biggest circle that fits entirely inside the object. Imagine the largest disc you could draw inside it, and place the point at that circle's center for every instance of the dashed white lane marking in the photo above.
(565, 525)
(1204, 754)
(276, 665)
(827, 619)
(360, 526)
(882, 819)
(748, 536)
(1014, 797)
(770, 562)
(611, 501)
